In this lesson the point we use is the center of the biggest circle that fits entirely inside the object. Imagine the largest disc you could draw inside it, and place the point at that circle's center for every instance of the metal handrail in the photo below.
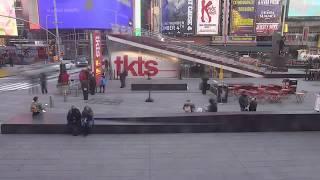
(188, 44)
(230, 58)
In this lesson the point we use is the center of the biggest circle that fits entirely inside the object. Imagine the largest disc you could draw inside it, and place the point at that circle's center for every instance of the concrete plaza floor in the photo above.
(218, 156)
(124, 102)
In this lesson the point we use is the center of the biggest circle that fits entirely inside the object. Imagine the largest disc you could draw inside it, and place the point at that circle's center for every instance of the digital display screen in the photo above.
(86, 14)
(304, 8)
(8, 26)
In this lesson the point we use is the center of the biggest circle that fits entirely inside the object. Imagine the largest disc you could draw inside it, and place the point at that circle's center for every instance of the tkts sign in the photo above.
(142, 65)
(97, 56)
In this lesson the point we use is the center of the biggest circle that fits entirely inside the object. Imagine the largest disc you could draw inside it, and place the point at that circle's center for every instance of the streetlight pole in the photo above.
(47, 28)
(57, 28)
(284, 16)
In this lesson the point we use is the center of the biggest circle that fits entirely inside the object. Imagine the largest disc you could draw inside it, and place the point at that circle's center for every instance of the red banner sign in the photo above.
(97, 55)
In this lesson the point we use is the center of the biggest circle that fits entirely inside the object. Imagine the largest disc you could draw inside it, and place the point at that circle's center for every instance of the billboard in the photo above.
(30, 12)
(177, 17)
(97, 55)
(242, 17)
(86, 14)
(8, 26)
(304, 8)
(268, 17)
(139, 65)
(208, 12)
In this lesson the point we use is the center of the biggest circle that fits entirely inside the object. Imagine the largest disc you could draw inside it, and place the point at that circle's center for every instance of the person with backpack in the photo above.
(103, 83)
(36, 107)
(87, 120)
(74, 121)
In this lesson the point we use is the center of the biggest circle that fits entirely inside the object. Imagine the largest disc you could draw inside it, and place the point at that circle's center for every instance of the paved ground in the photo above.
(124, 102)
(218, 156)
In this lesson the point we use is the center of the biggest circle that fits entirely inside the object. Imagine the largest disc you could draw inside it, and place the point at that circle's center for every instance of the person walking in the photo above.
(74, 121)
(253, 105)
(243, 102)
(213, 106)
(43, 83)
(64, 79)
(87, 120)
(10, 60)
(103, 83)
(123, 77)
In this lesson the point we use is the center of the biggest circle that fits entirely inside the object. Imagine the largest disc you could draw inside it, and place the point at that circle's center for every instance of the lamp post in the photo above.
(284, 16)
(57, 28)
(47, 28)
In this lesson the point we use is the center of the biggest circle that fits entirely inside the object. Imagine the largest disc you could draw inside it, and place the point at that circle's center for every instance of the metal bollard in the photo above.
(51, 102)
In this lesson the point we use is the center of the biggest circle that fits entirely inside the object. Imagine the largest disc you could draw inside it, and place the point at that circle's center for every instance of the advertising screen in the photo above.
(86, 14)
(30, 13)
(304, 8)
(177, 17)
(8, 26)
(268, 15)
(208, 12)
(242, 17)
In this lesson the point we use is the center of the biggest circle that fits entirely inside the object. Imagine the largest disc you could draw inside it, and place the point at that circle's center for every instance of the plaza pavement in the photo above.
(124, 102)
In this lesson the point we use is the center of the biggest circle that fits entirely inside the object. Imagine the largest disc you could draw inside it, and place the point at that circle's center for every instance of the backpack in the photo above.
(34, 108)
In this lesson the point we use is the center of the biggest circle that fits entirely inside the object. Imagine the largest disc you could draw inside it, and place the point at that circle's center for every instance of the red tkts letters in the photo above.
(144, 67)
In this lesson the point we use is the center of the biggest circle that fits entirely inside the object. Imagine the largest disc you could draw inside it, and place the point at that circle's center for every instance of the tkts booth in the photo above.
(139, 65)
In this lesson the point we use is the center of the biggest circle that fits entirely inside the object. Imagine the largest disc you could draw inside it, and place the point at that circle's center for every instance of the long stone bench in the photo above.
(171, 123)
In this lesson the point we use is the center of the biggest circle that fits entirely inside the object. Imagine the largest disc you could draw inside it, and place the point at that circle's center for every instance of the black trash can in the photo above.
(222, 93)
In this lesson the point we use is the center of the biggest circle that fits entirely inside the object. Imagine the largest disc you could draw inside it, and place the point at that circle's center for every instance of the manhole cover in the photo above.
(105, 101)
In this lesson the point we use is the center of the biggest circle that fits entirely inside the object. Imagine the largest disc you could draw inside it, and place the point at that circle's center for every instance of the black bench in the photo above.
(159, 87)
(171, 123)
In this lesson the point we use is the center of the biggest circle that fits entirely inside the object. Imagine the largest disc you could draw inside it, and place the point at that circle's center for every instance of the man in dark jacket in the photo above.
(243, 101)
(253, 105)
(213, 107)
(92, 84)
(123, 77)
(74, 120)
(43, 83)
(87, 120)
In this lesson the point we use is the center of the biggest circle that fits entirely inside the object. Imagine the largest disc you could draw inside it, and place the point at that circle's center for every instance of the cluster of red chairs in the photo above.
(271, 93)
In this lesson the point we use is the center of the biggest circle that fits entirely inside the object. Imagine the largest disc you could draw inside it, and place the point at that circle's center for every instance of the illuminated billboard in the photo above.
(177, 17)
(30, 12)
(86, 14)
(268, 14)
(242, 17)
(304, 8)
(8, 26)
(208, 13)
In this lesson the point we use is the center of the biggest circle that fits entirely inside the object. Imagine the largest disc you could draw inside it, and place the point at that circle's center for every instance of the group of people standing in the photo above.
(88, 83)
(78, 123)
(246, 104)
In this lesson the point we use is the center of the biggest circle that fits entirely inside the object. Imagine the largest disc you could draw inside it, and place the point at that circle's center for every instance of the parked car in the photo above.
(81, 61)
(69, 65)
